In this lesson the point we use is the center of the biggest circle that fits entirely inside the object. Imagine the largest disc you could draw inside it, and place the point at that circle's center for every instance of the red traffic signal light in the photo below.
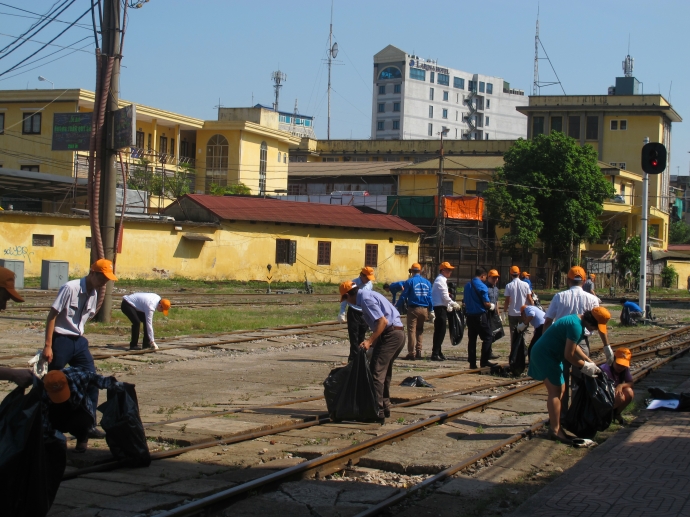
(654, 158)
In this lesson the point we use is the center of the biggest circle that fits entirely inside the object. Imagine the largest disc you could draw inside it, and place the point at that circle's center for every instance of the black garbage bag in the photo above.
(456, 326)
(350, 393)
(517, 352)
(591, 409)
(415, 382)
(537, 303)
(31, 465)
(124, 431)
(497, 331)
(682, 398)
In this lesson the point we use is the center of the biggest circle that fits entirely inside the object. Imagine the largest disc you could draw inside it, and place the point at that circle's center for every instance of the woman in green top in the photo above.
(558, 344)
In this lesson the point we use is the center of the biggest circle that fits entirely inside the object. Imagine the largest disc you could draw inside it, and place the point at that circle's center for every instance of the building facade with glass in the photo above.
(416, 98)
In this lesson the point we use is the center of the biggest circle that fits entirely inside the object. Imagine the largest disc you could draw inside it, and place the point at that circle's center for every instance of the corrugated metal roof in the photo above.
(344, 168)
(276, 211)
(468, 162)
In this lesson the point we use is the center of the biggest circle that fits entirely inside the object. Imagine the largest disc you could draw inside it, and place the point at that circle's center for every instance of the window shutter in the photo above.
(280, 251)
(293, 252)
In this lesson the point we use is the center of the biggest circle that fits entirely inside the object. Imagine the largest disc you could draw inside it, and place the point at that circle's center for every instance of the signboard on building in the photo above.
(124, 127)
(71, 131)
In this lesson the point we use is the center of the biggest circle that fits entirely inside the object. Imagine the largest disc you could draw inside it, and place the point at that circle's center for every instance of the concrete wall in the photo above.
(238, 251)
(682, 267)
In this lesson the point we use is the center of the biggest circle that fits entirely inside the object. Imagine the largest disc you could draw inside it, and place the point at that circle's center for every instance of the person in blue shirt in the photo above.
(356, 326)
(477, 305)
(631, 312)
(394, 289)
(525, 278)
(417, 294)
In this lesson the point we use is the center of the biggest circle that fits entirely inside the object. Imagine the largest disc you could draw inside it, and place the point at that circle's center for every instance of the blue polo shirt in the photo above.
(417, 292)
(632, 307)
(474, 289)
(528, 282)
(395, 288)
(374, 307)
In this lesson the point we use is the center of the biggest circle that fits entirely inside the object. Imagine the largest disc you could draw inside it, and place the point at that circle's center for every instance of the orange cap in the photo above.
(524, 274)
(622, 357)
(577, 273)
(345, 287)
(602, 315)
(592, 276)
(165, 305)
(514, 270)
(369, 273)
(56, 386)
(7, 282)
(416, 266)
(104, 266)
(493, 272)
(445, 265)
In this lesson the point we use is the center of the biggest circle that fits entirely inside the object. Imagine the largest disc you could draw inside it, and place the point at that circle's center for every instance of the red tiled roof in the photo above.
(679, 247)
(274, 210)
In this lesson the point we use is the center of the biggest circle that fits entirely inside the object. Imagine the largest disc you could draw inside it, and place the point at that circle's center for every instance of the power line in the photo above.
(51, 61)
(40, 17)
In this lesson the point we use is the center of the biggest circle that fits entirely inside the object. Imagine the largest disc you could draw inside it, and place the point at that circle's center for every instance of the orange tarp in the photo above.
(468, 208)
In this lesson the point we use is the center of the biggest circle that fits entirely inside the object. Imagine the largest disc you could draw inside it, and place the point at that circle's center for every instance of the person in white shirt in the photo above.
(441, 301)
(575, 301)
(64, 337)
(517, 293)
(139, 308)
(356, 326)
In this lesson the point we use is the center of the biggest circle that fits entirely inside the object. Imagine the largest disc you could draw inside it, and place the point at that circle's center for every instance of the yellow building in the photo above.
(245, 145)
(616, 126)
(226, 237)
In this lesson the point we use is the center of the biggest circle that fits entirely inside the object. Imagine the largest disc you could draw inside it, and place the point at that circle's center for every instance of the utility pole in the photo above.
(440, 220)
(332, 54)
(111, 47)
(643, 238)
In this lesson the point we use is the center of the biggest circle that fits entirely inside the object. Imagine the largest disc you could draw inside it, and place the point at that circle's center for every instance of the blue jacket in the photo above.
(474, 289)
(417, 292)
(395, 288)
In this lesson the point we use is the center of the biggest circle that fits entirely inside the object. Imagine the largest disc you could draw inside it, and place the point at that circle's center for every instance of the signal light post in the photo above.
(653, 162)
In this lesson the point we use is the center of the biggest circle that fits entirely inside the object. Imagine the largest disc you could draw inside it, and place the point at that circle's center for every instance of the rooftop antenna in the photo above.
(538, 85)
(332, 53)
(628, 62)
(218, 106)
(294, 115)
(278, 78)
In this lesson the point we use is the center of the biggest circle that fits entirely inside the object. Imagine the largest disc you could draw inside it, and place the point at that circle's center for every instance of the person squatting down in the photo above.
(517, 293)
(7, 290)
(417, 294)
(139, 308)
(356, 326)
(64, 337)
(619, 373)
(442, 303)
(394, 288)
(387, 338)
(477, 306)
(557, 345)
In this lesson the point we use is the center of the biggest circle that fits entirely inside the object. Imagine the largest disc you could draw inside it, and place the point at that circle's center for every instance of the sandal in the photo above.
(565, 440)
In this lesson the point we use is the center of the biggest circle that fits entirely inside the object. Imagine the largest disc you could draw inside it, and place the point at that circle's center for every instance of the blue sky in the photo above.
(185, 55)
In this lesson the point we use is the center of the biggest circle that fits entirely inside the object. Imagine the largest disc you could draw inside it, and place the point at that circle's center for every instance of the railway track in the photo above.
(338, 460)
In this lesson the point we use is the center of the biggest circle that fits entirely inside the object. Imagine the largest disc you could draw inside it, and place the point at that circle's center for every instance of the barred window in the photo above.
(324, 253)
(401, 250)
(371, 255)
(286, 251)
(42, 240)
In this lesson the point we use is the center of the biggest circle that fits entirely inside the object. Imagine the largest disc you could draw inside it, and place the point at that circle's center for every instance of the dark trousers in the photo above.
(356, 330)
(386, 349)
(76, 421)
(537, 334)
(74, 350)
(478, 326)
(567, 367)
(137, 318)
(440, 325)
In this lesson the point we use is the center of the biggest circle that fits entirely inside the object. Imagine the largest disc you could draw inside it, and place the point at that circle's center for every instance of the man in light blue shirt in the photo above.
(417, 294)
(387, 338)
(356, 326)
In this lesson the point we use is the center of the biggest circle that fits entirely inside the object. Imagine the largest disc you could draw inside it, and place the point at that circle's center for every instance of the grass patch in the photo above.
(222, 319)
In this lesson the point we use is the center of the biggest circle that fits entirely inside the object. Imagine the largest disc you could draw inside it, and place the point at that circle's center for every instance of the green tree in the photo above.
(240, 189)
(669, 277)
(679, 233)
(552, 190)
(628, 256)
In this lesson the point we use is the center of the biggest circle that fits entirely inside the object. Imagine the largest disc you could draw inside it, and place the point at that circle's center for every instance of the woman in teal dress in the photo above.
(558, 344)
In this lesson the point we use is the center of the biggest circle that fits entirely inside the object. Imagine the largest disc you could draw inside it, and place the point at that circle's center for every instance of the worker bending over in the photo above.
(7, 290)
(387, 338)
(356, 326)
(139, 308)
(394, 288)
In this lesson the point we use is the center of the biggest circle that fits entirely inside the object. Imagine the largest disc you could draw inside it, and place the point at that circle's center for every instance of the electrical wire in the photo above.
(38, 16)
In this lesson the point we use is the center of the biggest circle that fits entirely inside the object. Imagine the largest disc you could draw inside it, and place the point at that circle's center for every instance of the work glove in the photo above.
(432, 316)
(342, 317)
(521, 327)
(590, 369)
(453, 305)
(39, 364)
(608, 352)
(492, 307)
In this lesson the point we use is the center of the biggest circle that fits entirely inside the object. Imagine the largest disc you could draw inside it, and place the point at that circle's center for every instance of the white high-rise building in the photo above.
(417, 98)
